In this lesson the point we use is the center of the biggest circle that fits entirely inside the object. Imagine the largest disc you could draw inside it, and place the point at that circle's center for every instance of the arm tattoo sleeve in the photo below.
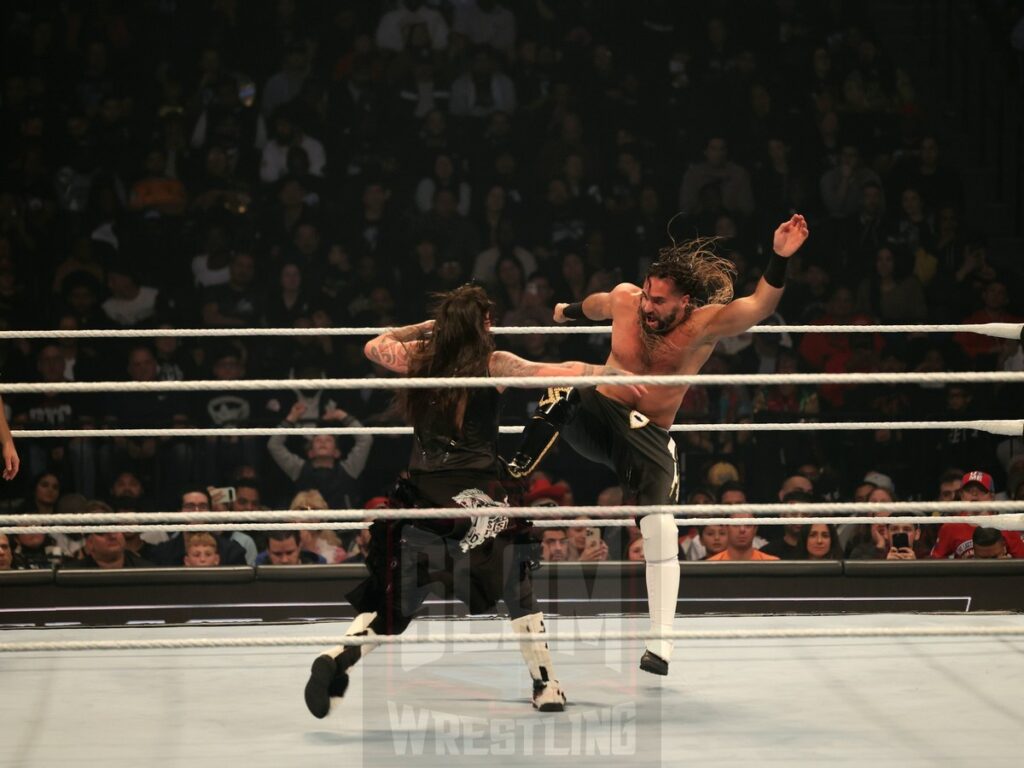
(387, 352)
(508, 364)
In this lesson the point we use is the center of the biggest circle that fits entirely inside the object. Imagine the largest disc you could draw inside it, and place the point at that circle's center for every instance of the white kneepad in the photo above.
(661, 538)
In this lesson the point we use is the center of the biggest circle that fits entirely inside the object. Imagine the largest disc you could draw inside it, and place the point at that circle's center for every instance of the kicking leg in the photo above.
(661, 551)
(554, 411)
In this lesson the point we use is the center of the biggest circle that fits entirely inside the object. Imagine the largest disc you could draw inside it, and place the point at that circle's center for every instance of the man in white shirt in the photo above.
(287, 133)
(130, 304)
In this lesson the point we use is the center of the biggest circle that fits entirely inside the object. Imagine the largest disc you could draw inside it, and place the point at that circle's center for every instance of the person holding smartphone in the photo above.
(586, 544)
(902, 538)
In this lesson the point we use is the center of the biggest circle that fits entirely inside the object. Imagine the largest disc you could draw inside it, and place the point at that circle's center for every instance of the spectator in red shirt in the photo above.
(956, 540)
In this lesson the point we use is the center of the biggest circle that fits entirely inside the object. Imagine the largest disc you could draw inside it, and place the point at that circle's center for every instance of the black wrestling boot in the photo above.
(325, 680)
(554, 411)
(653, 663)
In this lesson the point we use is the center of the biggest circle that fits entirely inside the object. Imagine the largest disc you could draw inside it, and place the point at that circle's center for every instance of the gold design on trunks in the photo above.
(637, 420)
(553, 395)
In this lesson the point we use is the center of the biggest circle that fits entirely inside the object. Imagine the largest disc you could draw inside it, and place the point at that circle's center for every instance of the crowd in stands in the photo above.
(320, 164)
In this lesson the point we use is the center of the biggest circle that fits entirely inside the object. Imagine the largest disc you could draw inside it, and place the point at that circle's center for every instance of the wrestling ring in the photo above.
(890, 689)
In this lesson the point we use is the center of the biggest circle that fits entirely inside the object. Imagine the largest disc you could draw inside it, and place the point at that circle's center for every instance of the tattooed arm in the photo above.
(508, 364)
(391, 348)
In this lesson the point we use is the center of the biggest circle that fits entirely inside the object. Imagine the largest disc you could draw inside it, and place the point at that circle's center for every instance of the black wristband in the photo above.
(574, 311)
(775, 272)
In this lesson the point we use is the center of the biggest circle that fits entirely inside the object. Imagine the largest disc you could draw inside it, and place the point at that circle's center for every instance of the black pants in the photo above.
(642, 454)
(409, 560)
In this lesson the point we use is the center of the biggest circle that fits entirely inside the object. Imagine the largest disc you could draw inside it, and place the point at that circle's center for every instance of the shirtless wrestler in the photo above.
(668, 326)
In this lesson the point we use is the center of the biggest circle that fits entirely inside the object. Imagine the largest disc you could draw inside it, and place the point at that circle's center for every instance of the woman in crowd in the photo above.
(819, 542)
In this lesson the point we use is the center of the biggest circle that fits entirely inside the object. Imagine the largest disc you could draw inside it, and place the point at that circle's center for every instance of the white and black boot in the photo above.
(328, 677)
(548, 695)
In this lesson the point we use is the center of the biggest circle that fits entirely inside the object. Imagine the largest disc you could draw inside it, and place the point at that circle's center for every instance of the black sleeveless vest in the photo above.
(436, 446)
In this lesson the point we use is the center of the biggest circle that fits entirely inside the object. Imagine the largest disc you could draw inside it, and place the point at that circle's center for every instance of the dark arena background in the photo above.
(208, 208)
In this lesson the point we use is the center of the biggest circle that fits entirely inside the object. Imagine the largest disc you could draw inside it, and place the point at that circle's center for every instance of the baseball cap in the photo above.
(881, 480)
(542, 492)
(984, 479)
(377, 502)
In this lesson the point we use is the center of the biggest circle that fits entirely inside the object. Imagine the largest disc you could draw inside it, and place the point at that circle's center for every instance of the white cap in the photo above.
(881, 480)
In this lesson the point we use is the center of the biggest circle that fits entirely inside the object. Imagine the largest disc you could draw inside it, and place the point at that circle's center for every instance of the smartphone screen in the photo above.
(900, 541)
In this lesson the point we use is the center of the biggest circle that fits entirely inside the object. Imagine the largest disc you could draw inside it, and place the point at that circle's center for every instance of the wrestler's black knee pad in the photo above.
(554, 411)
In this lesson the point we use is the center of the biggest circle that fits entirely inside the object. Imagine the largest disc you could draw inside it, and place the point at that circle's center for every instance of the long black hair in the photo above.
(835, 550)
(459, 345)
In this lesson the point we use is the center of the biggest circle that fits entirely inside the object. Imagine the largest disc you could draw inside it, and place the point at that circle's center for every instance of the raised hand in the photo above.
(790, 235)
(296, 412)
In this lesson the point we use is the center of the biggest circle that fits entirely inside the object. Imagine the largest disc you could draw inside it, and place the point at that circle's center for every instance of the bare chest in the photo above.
(678, 352)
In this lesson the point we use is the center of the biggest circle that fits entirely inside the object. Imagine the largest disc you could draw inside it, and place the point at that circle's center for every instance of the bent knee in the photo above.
(661, 538)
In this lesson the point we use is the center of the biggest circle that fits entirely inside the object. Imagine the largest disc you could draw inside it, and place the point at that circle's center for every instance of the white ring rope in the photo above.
(1006, 522)
(1010, 427)
(512, 639)
(998, 330)
(686, 510)
(531, 382)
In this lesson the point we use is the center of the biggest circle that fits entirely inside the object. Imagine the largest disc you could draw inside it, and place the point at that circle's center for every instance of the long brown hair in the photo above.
(460, 345)
(697, 270)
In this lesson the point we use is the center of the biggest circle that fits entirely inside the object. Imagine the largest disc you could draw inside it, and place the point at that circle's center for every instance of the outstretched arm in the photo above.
(391, 348)
(597, 306)
(737, 316)
(507, 364)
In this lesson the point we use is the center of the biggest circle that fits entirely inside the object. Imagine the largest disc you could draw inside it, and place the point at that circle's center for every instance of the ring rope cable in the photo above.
(576, 510)
(533, 382)
(513, 639)
(687, 510)
(998, 330)
(1007, 522)
(1010, 427)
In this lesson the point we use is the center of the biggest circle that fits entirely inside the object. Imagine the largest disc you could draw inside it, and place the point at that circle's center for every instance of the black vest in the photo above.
(437, 446)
